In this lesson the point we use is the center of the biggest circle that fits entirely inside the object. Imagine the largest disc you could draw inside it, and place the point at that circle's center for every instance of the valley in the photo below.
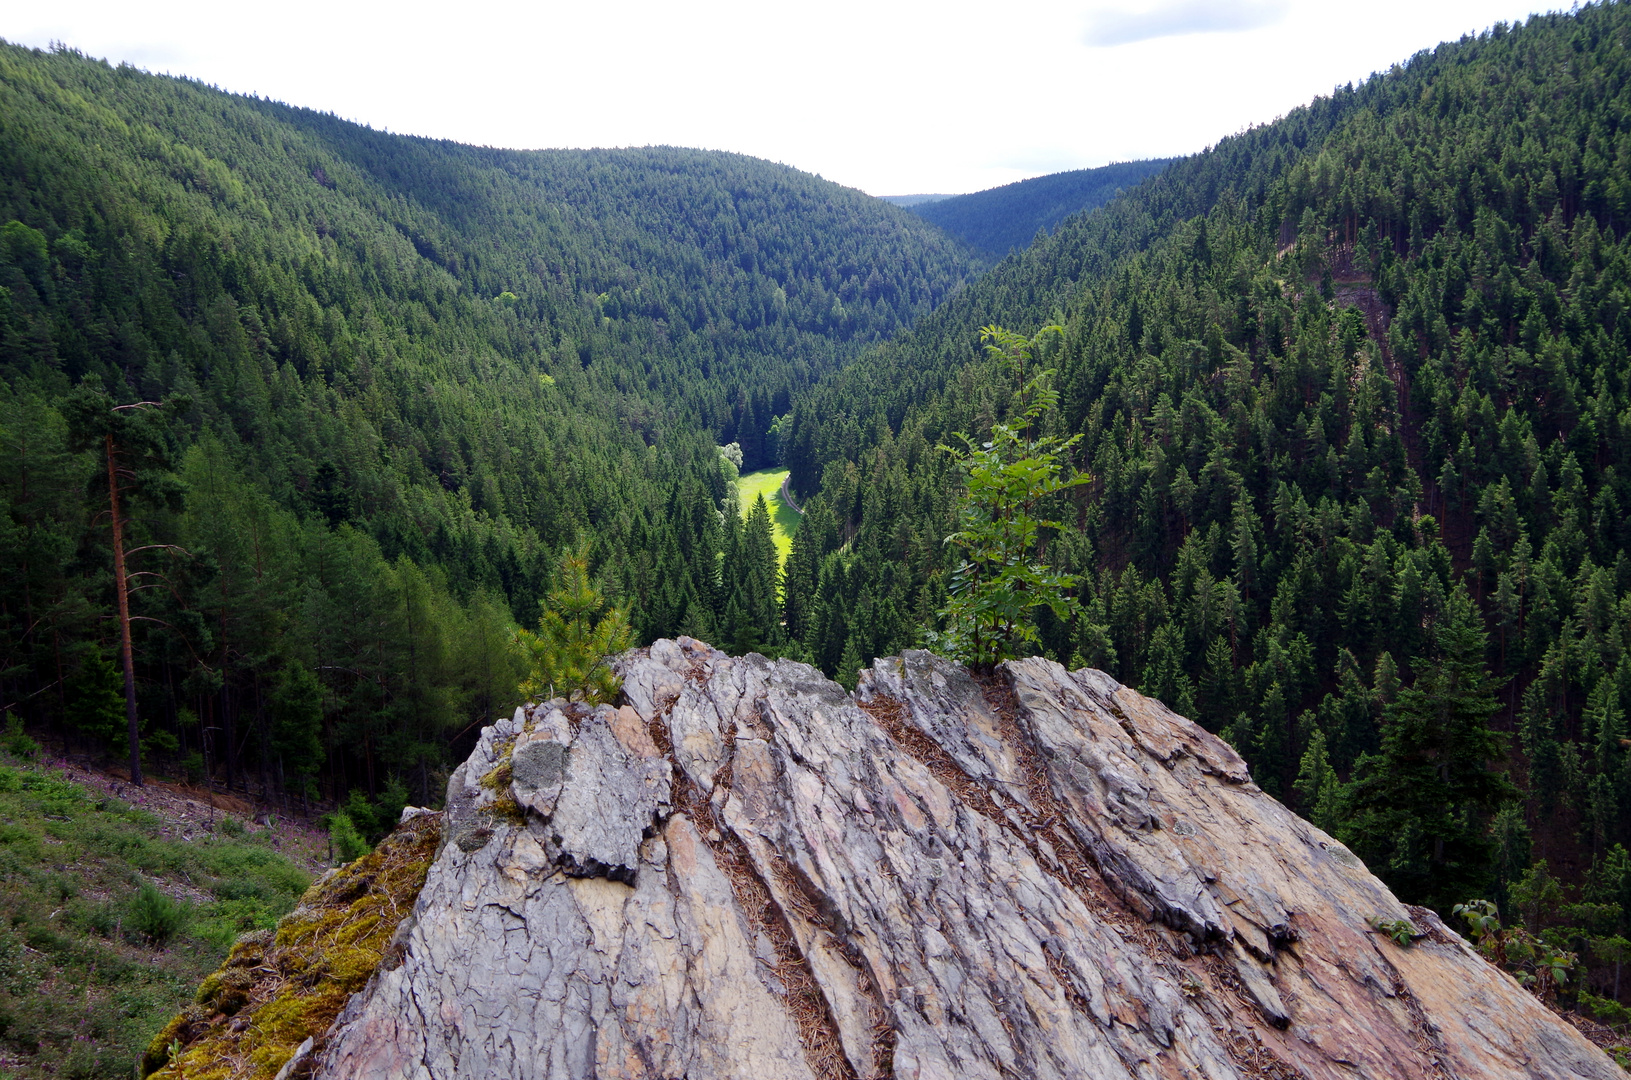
(1320, 436)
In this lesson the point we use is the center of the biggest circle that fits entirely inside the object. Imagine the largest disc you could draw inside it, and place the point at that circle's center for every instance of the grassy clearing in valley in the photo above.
(110, 925)
(784, 519)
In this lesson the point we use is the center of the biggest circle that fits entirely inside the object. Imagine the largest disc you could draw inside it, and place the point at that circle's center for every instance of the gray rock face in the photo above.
(746, 873)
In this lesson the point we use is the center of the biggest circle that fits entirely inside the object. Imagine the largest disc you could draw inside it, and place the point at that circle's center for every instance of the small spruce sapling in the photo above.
(576, 633)
(346, 843)
(157, 917)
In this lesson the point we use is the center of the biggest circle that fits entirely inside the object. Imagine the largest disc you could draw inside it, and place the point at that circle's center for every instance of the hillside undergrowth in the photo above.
(111, 924)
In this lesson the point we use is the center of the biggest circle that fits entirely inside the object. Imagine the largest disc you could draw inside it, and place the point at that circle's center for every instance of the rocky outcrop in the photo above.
(744, 872)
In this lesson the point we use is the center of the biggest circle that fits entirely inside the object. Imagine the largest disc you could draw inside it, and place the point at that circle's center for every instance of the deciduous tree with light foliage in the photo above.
(1002, 580)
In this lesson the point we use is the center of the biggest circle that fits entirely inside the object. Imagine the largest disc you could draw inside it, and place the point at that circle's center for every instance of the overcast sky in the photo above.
(890, 96)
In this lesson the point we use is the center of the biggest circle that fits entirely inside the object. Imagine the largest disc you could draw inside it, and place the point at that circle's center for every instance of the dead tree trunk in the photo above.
(120, 588)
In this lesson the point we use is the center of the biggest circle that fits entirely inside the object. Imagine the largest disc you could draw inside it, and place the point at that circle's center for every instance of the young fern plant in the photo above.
(1001, 580)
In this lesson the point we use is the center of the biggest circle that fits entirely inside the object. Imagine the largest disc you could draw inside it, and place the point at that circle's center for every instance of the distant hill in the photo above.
(439, 364)
(1001, 219)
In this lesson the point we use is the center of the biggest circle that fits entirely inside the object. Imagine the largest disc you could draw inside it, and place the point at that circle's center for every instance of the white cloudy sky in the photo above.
(890, 96)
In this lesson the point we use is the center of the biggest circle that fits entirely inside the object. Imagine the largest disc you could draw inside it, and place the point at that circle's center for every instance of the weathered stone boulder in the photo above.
(745, 872)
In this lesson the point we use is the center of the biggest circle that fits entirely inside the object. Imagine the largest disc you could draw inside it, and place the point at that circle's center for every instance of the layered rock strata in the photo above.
(744, 872)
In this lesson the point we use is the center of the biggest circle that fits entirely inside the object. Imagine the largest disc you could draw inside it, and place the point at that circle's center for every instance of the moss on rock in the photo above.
(276, 990)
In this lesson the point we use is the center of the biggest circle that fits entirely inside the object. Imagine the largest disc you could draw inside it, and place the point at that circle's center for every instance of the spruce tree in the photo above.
(1419, 810)
(576, 633)
(1317, 785)
(751, 618)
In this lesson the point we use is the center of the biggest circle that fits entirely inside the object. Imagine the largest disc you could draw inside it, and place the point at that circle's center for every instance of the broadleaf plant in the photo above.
(1002, 580)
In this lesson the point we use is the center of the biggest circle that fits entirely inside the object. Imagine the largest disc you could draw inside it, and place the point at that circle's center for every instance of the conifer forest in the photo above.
(318, 444)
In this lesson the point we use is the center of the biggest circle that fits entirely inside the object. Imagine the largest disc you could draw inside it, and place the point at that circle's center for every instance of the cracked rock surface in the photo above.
(744, 872)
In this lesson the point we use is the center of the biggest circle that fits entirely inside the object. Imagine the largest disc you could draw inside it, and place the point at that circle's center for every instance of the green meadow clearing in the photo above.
(783, 518)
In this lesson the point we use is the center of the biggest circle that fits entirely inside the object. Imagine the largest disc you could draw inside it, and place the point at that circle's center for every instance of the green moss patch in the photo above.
(277, 989)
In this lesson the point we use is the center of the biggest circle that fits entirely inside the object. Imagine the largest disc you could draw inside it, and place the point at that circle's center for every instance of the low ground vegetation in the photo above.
(278, 988)
(110, 925)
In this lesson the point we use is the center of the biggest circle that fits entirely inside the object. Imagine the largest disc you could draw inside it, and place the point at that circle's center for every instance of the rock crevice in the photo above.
(745, 872)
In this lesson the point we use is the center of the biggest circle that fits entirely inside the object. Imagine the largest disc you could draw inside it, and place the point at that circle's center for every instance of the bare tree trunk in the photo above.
(131, 722)
(230, 732)
(62, 693)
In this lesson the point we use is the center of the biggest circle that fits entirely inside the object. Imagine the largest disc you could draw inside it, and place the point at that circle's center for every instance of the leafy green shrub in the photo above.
(1402, 931)
(49, 794)
(348, 842)
(156, 916)
(61, 888)
(22, 842)
(224, 921)
(1543, 966)
(242, 903)
(231, 826)
(253, 866)
(88, 1061)
(1001, 581)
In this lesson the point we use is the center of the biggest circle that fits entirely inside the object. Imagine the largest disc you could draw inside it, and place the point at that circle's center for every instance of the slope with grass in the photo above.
(111, 921)
(280, 990)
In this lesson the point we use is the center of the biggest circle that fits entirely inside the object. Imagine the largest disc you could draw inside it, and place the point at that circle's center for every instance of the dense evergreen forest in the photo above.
(1007, 218)
(391, 381)
(1354, 392)
(1351, 394)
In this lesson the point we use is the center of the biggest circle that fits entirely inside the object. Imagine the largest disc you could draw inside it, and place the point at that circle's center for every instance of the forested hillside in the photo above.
(1007, 218)
(1355, 395)
(914, 200)
(398, 377)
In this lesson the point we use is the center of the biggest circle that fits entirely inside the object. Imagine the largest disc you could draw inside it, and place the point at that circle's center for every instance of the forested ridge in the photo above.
(1007, 218)
(1352, 388)
(393, 379)
(1353, 392)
